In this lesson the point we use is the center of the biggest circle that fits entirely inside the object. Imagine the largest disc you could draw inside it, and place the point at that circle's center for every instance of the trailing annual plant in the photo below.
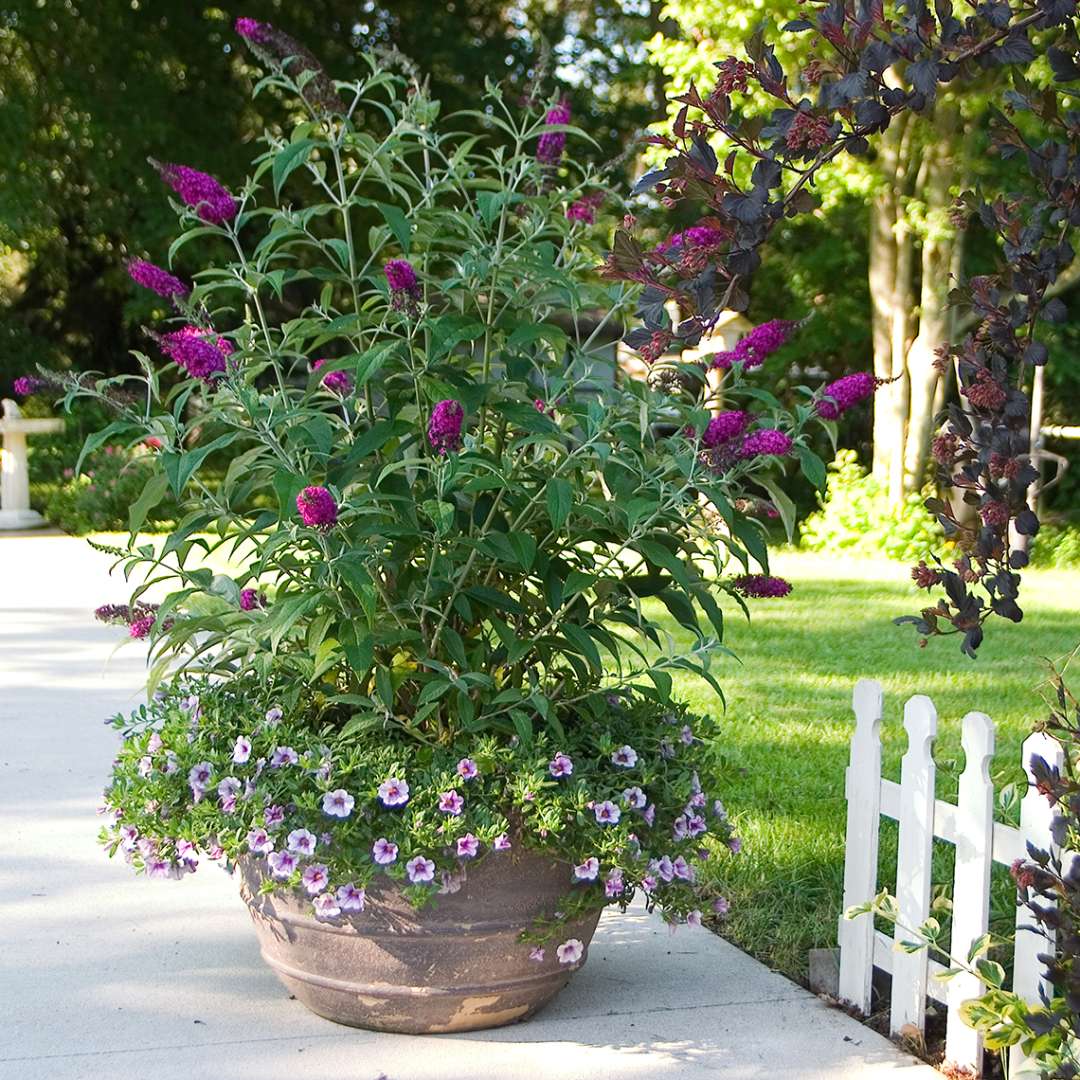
(868, 64)
(449, 510)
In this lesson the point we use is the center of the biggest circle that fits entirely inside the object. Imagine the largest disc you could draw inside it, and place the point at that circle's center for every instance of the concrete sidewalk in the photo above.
(105, 976)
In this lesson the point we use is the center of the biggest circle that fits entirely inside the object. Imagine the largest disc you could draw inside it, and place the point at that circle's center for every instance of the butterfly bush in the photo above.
(454, 529)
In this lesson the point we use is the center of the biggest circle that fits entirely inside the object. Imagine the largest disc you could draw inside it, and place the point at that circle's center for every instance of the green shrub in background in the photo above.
(1057, 546)
(855, 517)
(99, 498)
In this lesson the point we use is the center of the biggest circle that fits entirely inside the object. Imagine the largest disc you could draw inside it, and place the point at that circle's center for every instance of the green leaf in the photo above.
(286, 160)
(584, 644)
(560, 498)
(180, 468)
(152, 493)
(399, 225)
(813, 467)
(785, 507)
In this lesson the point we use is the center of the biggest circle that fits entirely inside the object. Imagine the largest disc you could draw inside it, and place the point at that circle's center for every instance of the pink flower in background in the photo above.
(326, 906)
(254, 31)
(697, 236)
(467, 769)
(607, 813)
(338, 803)
(282, 756)
(241, 750)
(393, 792)
(584, 209)
(302, 842)
(420, 870)
(588, 870)
(766, 442)
(384, 851)
(468, 847)
(317, 507)
(338, 381)
(315, 878)
(155, 279)
(205, 195)
(444, 427)
(282, 864)
(560, 765)
(260, 842)
(450, 802)
(625, 757)
(570, 952)
(761, 586)
(549, 149)
(351, 898)
(839, 396)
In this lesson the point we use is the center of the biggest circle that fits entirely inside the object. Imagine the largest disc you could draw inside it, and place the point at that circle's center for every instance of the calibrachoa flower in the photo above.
(501, 843)
(338, 381)
(450, 802)
(625, 757)
(338, 803)
(549, 149)
(282, 756)
(273, 716)
(420, 870)
(682, 869)
(444, 427)
(317, 507)
(613, 883)
(351, 898)
(607, 813)
(721, 906)
(588, 870)
(536, 952)
(393, 792)
(724, 427)
(840, 395)
(694, 918)
(282, 864)
(384, 851)
(155, 279)
(210, 199)
(302, 842)
(467, 769)
(570, 952)
(634, 797)
(201, 353)
(761, 586)
(764, 442)
(199, 775)
(241, 750)
(260, 842)
(560, 765)
(273, 815)
(315, 878)
(468, 847)
(326, 906)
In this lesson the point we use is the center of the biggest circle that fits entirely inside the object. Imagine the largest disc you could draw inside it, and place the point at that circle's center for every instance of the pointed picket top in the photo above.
(920, 723)
(977, 740)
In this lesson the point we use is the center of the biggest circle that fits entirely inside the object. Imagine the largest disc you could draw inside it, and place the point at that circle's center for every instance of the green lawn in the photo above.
(788, 720)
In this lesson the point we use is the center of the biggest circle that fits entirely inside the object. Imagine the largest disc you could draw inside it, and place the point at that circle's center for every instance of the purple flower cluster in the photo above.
(211, 200)
(444, 427)
(766, 442)
(401, 277)
(201, 353)
(317, 507)
(278, 48)
(25, 385)
(252, 599)
(752, 350)
(724, 427)
(156, 280)
(340, 382)
(840, 395)
(697, 236)
(583, 210)
(549, 149)
(761, 586)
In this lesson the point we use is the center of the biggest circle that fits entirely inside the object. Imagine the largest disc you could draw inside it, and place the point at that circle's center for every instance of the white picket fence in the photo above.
(979, 841)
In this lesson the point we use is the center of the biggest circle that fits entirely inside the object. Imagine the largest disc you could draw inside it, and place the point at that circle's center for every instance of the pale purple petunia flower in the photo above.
(663, 867)
(128, 837)
(282, 756)
(588, 870)
(678, 830)
(718, 808)
(154, 743)
(536, 952)
(634, 797)
(282, 864)
(734, 845)
(694, 918)
(607, 813)
(625, 757)
(721, 906)
(667, 749)
(649, 882)
(468, 847)
(450, 802)
(338, 803)
(351, 898)
(686, 735)
(161, 869)
(695, 826)
(467, 769)
(260, 842)
(420, 870)
(273, 716)
(384, 851)
(315, 878)
(682, 869)
(501, 842)
(273, 815)
(326, 906)
(393, 792)
(228, 788)
(613, 883)
(146, 766)
(560, 765)
(570, 952)
(649, 814)
(302, 842)
(187, 853)
(199, 775)
(241, 750)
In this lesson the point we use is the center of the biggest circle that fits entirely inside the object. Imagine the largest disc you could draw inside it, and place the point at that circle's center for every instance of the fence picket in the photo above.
(971, 883)
(914, 851)
(1036, 815)
(863, 789)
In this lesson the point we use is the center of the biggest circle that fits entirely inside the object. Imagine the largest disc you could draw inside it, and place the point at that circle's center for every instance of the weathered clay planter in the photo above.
(455, 965)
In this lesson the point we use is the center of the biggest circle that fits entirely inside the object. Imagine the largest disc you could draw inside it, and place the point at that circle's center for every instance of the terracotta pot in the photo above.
(455, 965)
